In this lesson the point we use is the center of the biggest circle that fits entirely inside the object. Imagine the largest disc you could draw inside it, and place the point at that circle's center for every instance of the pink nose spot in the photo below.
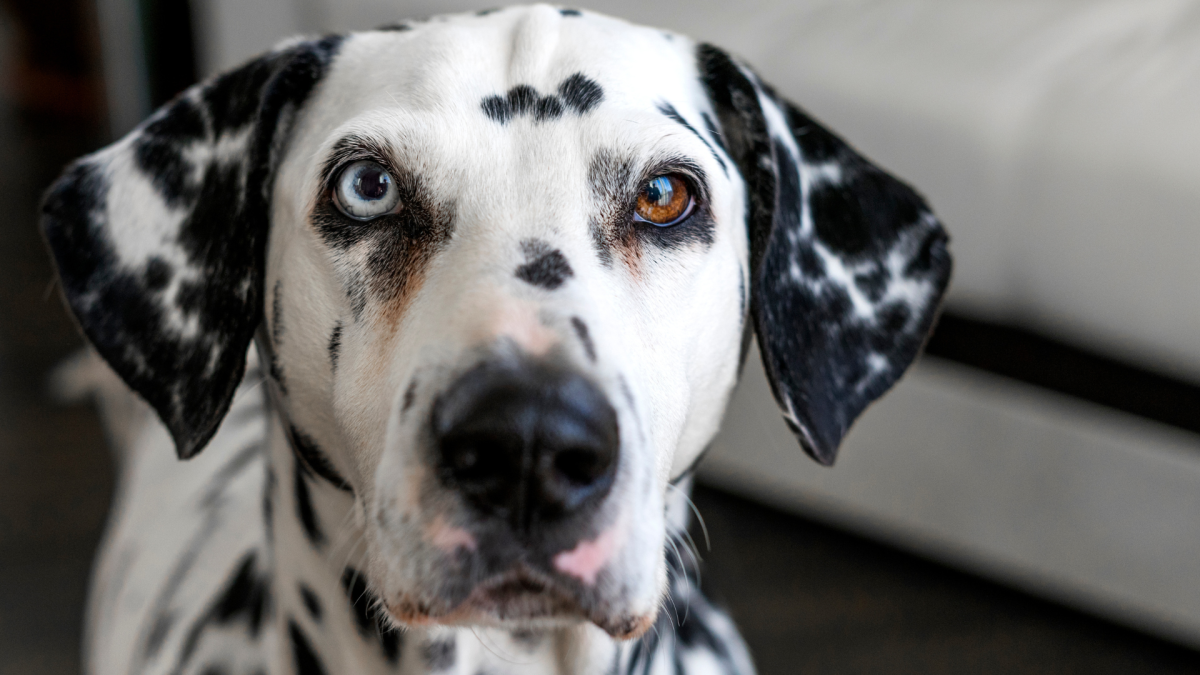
(585, 560)
(449, 538)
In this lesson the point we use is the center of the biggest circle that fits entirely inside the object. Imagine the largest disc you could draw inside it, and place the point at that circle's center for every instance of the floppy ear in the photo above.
(848, 265)
(159, 238)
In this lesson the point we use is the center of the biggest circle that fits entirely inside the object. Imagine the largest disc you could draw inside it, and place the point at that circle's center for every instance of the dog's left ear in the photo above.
(159, 239)
(847, 264)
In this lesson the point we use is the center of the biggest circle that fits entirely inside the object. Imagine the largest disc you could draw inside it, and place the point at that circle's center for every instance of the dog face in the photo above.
(503, 269)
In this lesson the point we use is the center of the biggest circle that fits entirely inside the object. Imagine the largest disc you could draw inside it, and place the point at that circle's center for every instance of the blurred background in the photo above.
(1026, 500)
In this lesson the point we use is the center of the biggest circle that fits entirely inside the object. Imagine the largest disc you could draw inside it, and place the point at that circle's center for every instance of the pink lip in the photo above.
(586, 560)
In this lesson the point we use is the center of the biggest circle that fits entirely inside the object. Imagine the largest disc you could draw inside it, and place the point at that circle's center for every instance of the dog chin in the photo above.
(517, 600)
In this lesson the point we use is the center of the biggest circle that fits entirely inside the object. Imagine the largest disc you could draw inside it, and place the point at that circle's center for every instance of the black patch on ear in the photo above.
(585, 337)
(580, 93)
(670, 111)
(304, 507)
(335, 345)
(372, 623)
(313, 460)
(545, 267)
(307, 661)
(312, 602)
(158, 274)
(570, 12)
(825, 357)
(747, 141)
(189, 378)
(159, 150)
(439, 654)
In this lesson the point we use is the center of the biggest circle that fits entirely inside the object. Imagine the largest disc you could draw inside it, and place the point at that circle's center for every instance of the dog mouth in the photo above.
(521, 596)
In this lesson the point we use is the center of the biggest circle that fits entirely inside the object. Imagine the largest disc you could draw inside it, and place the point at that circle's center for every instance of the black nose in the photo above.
(529, 441)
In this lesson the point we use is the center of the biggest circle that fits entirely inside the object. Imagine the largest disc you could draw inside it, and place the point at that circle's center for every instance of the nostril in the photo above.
(580, 467)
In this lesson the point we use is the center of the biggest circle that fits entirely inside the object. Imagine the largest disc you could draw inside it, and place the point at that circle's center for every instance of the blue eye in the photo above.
(663, 201)
(365, 190)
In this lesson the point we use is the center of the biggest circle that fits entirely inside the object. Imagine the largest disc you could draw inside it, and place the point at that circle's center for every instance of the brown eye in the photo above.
(663, 201)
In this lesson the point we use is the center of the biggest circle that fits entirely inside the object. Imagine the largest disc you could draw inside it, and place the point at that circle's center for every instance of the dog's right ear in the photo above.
(159, 238)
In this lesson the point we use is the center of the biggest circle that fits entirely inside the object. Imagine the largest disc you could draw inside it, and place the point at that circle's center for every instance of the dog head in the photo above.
(503, 268)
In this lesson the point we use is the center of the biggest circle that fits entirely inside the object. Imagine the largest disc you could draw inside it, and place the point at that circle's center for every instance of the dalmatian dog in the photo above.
(442, 316)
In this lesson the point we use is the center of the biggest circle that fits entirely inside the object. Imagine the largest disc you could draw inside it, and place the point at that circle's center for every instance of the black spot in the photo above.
(159, 151)
(304, 507)
(496, 108)
(311, 602)
(307, 661)
(545, 267)
(742, 299)
(312, 459)
(159, 630)
(439, 654)
(410, 395)
(276, 373)
(839, 219)
(371, 620)
(585, 337)
(335, 345)
(522, 99)
(580, 93)
(810, 263)
(873, 283)
(548, 107)
(570, 12)
(486, 12)
(398, 27)
(626, 391)
(158, 274)
(277, 313)
(245, 597)
(268, 501)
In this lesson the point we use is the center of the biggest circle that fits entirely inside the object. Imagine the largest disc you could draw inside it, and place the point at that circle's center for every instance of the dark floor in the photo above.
(808, 598)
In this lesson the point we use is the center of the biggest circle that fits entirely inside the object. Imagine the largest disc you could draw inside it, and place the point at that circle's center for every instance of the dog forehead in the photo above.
(452, 65)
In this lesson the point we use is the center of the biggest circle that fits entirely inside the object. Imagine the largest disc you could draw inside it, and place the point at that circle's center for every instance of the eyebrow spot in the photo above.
(545, 267)
(577, 93)
(580, 93)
